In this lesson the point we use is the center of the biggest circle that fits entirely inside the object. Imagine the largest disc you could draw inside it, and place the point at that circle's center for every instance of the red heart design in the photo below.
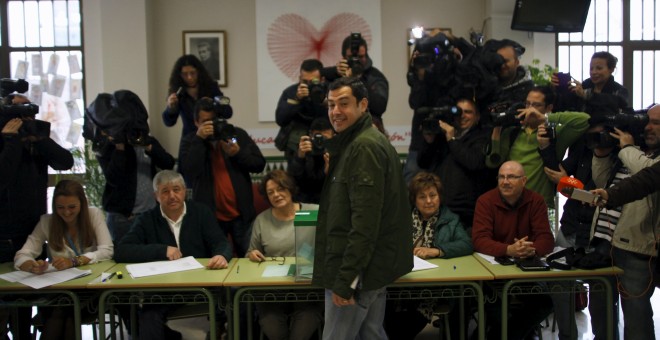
(292, 39)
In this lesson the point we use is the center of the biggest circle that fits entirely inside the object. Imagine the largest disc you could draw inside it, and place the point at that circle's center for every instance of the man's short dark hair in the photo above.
(311, 65)
(320, 124)
(356, 85)
(346, 44)
(547, 92)
(203, 104)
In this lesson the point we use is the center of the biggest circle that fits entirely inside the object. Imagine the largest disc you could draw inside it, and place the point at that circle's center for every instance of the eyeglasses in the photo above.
(274, 259)
(535, 105)
(509, 178)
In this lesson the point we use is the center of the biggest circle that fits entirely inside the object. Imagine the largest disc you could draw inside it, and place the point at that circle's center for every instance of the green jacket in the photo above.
(570, 126)
(364, 215)
(450, 236)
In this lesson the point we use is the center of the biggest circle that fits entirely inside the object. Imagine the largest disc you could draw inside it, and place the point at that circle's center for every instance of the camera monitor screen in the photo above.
(550, 16)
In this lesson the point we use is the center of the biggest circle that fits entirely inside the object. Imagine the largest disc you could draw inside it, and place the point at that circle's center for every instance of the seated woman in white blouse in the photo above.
(273, 237)
(76, 235)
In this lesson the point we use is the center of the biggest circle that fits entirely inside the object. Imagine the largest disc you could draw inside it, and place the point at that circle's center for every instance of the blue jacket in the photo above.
(150, 235)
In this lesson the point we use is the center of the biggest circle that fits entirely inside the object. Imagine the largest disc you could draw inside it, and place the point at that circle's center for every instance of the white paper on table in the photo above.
(15, 276)
(276, 270)
(419, 264)
(163, 267)
(488, 258)
(50, 278)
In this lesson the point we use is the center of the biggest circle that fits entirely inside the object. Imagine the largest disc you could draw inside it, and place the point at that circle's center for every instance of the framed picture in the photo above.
(427, 31)
(211, 49)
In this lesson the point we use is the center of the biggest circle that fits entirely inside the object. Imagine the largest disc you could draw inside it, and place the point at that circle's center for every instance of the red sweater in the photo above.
(496, 224)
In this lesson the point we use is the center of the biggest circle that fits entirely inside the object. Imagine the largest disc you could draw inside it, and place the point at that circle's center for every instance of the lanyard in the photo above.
(72, 245)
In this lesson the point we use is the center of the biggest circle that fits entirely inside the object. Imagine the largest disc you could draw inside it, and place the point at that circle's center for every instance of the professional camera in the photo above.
(222, 108)
(430, 49)
(25, 112)
(354, 60)
(317, 91)
(601, 139)
(318, 144)
(634, 124)
(8, 86)
(508, 117)
(223, 130)
(446, 114)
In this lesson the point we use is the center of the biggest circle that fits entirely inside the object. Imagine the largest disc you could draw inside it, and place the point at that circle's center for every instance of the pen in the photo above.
(109, 277)
(237, 268)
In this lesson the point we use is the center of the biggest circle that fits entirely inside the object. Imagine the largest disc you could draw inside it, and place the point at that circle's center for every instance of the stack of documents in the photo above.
(50, 277)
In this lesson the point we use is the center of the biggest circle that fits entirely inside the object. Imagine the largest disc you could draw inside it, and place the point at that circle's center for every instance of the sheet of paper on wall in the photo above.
(163, 267)
(35, 93)
(21, 69)
(74, 133)
(74, 110)
(44, 83)
(53, 64)
(75, 88)
(74, 65)
(419, 264)
(37, 65)
(56, 87)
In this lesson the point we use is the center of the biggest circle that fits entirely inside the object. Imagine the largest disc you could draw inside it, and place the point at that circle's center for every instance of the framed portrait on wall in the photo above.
(211, 49)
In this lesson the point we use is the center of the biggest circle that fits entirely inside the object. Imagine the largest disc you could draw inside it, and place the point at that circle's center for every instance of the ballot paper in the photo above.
(163, 267)
(419, 264)
(49, 278)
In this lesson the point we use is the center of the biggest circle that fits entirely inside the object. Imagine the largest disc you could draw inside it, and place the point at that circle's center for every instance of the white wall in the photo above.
(133, 44)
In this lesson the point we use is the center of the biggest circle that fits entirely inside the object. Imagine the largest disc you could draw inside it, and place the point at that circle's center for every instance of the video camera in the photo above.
(446, 114)
(430, 49)
(25, 112)
(317, 91)
(354, 60)
(508, 117)
(318, 144)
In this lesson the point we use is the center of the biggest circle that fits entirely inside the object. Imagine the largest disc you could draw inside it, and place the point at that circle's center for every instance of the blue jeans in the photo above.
(240, 232)
(118, 225)
(410, 169)
(636, 288)
(363, 320)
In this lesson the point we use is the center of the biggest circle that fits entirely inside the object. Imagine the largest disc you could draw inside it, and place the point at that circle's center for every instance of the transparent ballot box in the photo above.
(305, 231)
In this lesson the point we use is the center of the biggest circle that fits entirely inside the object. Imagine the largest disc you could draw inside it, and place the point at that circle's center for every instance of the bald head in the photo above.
(511, 181)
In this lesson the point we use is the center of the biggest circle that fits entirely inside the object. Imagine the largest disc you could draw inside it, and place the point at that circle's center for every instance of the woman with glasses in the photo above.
(76, 235)
(273, 240)
(436, 232)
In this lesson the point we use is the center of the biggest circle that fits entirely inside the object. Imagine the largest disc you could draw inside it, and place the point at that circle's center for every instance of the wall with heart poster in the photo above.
(289, 32)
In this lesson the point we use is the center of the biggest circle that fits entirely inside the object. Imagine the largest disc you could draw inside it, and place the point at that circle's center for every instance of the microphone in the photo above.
(573, 188)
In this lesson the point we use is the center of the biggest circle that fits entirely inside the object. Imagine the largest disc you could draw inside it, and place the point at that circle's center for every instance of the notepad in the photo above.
(163, 267)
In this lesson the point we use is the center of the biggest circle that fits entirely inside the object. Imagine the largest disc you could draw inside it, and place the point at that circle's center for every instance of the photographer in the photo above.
(631, 228)
(455, 151)
(189, 81)
(514, 137)
(26, 153)
(308, 168)
(356, 62)
(299, 105)
(514, 80)
(218, 159)
(129, 169)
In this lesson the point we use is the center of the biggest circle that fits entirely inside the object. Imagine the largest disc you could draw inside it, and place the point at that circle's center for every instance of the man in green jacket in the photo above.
(363, 237)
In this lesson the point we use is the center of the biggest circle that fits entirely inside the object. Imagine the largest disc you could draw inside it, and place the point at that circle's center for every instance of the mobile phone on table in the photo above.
(505, 260)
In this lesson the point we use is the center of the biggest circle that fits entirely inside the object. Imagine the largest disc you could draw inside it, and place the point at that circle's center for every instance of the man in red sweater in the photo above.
(513, 221)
